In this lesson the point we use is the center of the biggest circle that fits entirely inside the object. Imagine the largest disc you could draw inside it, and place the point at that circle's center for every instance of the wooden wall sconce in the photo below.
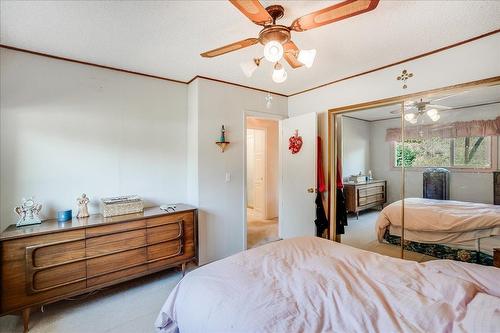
(222, 143)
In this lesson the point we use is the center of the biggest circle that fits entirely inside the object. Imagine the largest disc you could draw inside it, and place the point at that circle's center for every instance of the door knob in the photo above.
(310, 190)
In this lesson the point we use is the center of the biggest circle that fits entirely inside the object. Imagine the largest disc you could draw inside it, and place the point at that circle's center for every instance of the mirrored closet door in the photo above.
(449, 151)
(366, 178)
(419, 178)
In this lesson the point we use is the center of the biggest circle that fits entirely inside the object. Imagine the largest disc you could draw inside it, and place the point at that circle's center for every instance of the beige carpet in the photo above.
(130, 307)
(361, 234)
(260, 231)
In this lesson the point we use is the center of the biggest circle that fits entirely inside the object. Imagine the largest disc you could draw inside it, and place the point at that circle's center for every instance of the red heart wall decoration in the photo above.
(295, 143)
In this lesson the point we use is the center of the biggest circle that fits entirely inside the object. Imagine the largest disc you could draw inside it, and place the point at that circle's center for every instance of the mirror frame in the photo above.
(333, 139)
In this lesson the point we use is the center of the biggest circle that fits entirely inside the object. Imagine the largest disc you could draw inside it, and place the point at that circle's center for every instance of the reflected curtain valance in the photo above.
(458, 129)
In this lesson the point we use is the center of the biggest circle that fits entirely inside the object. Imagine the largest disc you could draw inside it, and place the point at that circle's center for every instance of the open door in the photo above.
(298, 177)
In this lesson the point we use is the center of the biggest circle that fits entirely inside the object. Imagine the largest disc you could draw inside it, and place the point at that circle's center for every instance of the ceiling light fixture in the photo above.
(249, 67)
(410, 116)
(277, 38)
(307, 57)
(273, 51)
(421, 108)
(279, 73)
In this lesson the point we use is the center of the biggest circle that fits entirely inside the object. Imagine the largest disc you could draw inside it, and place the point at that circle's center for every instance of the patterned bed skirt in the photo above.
(442, 251)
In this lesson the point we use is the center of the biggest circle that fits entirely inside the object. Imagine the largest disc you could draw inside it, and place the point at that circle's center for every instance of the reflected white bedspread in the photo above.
(315, 285)
(440, 221)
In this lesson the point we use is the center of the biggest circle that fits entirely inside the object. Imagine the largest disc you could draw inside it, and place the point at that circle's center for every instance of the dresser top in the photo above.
(365, 183)
(50, 226)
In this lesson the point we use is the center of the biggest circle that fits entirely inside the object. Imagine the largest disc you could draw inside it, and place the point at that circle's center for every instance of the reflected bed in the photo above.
(311, 284)
(444, 229)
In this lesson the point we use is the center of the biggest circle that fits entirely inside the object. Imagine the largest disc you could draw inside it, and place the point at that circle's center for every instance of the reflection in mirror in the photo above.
(366, 179)
(450, 156)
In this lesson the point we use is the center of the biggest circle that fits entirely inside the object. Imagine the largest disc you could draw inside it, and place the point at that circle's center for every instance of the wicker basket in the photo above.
(123, 205)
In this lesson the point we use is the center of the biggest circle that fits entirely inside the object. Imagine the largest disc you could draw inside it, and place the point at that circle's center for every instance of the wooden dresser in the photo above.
(52, 261)
(363, 196)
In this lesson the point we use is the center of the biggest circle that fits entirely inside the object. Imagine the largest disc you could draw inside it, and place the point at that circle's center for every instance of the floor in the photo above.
(361, 234)
(260, 231)
(130, 307)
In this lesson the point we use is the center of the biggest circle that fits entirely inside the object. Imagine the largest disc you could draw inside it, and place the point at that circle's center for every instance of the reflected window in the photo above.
(464, 152)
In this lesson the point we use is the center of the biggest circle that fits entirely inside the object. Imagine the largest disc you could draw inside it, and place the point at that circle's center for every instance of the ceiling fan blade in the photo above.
(333, 13)
(437, 106)
(253, 10)
(452, 95)
(291, 53)
(229, 48)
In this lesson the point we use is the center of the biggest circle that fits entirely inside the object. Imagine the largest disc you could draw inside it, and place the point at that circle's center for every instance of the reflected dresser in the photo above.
(362, 196)
(53, 261)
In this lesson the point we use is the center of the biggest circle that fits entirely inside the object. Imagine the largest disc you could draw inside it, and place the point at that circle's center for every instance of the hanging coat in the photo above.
(341, 216)
(321, 219)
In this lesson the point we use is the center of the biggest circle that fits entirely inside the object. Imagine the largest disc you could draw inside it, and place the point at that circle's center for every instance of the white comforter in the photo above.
(315, 285)
(440, 221)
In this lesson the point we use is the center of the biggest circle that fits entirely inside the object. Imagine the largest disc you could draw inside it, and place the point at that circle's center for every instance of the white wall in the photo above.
(355, 147)
(250, 167)
(464, 186)
(221, 203)
(380, 161)
(67, 128)
(192, 144)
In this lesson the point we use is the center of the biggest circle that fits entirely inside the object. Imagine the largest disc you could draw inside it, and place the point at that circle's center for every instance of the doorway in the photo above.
(262, 158)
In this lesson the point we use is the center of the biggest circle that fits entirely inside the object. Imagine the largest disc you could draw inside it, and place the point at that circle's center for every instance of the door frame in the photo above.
(266, 116)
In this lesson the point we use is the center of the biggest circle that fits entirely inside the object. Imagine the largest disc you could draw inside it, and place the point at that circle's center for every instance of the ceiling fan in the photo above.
(276, 38)
(414, 110)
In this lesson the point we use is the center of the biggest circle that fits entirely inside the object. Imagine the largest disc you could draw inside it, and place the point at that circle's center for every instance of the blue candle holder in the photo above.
(64, 215)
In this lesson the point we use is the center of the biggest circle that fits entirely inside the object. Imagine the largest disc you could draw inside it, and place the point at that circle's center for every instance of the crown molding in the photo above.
(242, 85)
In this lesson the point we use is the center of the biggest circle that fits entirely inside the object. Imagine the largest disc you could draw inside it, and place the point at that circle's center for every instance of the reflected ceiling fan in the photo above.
(276, 38)
(414, 110)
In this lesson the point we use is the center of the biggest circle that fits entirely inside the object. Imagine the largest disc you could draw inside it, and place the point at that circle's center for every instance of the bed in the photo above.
(445, 229)
(311, 284)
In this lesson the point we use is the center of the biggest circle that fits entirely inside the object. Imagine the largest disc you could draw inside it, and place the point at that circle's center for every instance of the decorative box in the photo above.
(122, 205)
(358, 179)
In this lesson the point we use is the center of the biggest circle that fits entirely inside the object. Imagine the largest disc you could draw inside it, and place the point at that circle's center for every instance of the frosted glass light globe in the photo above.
(307, 57)
(279, 73)
(273, 51)
(409, 116)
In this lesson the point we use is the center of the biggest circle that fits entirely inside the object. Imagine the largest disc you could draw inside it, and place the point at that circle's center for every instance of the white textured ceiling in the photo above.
(165, 38)
(474, 96)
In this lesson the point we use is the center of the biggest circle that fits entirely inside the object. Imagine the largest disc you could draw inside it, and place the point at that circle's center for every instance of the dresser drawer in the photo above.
(49, 278)
(377, 198)
(114, 228)
(166, 232)
(365, 192)
(165, 250)
(115, 262)
(117, 276)
(46, 255)
(115, 242)
(174, 218)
